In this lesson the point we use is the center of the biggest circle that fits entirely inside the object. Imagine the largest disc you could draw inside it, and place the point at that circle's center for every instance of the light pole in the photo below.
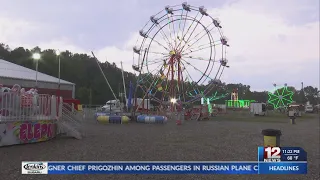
(36, 57)
(58, 55)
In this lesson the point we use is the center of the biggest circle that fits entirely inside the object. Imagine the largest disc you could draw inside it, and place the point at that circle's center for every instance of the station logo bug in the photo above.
(34, 168)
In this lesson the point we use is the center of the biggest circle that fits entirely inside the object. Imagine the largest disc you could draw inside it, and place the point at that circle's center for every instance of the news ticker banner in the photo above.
(271, 160)
(164, 168)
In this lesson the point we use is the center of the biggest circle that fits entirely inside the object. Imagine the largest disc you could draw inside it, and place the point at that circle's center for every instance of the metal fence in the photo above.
(25, 107)
(89, 110)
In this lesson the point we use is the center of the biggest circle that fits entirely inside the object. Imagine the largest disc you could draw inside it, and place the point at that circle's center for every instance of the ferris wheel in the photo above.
(180, 54)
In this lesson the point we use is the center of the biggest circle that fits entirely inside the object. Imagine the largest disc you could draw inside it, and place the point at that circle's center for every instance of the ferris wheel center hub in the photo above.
(173, 52)
(175, 56)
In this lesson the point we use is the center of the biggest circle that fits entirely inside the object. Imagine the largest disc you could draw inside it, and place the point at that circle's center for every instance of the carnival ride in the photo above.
(207, 100)
(113, 112)
(280, 97)
(235, 102)
(179, 57)
(14, 99)
(27, 117)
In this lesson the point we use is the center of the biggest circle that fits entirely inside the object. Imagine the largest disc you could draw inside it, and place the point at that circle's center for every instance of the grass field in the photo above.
(213, 140)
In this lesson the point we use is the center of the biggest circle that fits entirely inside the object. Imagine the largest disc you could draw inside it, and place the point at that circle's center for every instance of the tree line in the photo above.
(91, 87)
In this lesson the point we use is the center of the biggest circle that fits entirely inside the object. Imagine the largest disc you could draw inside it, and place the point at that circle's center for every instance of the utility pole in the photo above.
(303, 94)
(90, 97)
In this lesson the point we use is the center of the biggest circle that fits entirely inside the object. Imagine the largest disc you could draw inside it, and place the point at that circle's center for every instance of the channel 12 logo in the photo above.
(272, 154)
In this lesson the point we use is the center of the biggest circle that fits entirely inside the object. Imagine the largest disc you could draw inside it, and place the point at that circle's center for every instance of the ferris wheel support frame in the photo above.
(134, 109)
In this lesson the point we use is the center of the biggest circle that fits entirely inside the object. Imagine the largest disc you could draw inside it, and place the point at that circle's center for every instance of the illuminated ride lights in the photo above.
(179, 51)
(281, 97)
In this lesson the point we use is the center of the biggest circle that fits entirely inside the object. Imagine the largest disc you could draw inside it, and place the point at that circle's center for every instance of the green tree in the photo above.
(311, 94)
(83, 70)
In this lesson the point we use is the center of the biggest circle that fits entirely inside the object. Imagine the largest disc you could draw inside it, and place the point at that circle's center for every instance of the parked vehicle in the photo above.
(258, 109)
(309, 109)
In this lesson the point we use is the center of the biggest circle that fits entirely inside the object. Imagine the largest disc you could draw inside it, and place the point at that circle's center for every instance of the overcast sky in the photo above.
(271, 41)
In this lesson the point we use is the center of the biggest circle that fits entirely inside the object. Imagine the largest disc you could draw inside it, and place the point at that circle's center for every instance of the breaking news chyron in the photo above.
(271, 160)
